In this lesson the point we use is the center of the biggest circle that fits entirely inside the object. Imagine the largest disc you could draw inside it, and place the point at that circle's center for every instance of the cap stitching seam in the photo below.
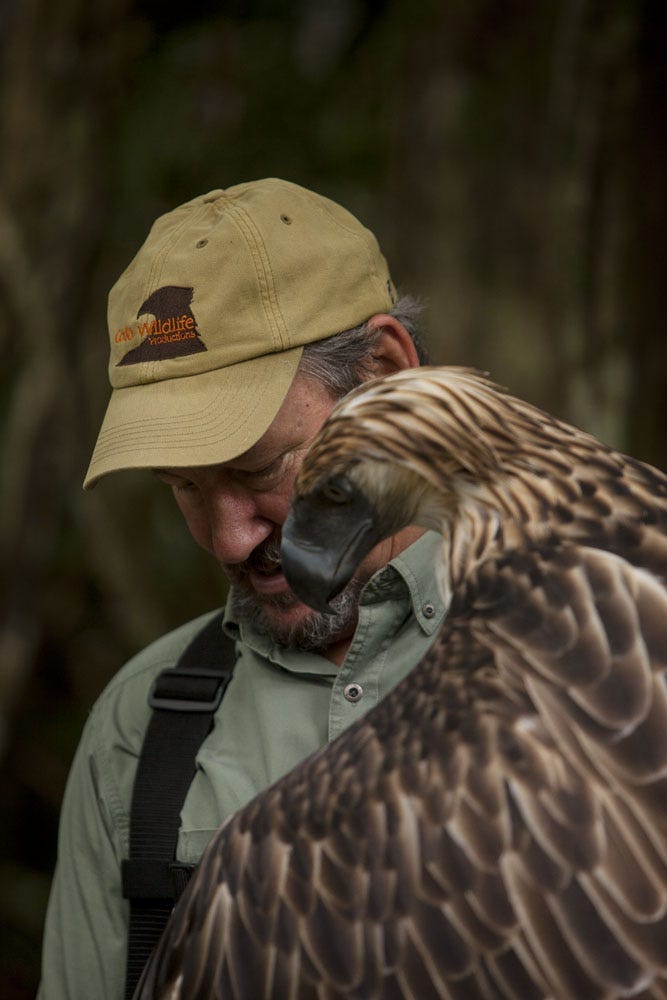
(264, 273)
(274, 314)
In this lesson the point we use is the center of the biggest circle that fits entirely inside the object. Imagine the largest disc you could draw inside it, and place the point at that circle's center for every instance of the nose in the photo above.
(236, 524)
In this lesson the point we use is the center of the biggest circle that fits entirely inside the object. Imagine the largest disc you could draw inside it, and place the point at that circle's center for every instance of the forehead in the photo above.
(303, 411)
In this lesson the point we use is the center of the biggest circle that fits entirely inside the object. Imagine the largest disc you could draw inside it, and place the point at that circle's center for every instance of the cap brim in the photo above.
(201, 419)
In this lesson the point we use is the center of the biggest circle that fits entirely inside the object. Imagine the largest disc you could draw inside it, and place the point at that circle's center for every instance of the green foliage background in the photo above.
(509, 155)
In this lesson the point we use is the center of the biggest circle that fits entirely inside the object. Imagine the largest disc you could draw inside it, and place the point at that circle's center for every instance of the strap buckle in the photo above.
(153, 878)
(188, 690)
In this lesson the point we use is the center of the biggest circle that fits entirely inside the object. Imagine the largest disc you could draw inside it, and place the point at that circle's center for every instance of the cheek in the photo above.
(273, 504)
(283, 496)
(271, 509)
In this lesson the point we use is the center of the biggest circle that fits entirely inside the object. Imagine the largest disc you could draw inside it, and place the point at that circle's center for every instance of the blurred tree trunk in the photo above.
(63, 70)
(64, 67)
(646, 256)
(527, 192)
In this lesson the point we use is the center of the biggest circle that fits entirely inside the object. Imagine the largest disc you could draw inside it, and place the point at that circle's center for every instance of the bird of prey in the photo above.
(497, 825)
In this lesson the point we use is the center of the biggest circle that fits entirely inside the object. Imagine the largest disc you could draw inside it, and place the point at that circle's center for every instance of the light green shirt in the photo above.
(280, 706)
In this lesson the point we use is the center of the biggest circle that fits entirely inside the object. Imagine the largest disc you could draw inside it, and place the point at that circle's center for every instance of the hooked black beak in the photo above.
(322, 545)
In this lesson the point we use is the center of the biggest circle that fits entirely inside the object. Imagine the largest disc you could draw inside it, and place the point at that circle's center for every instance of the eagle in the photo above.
(497, 825)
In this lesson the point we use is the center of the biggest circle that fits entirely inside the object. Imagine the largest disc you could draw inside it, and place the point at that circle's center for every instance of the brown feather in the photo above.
(497, 826)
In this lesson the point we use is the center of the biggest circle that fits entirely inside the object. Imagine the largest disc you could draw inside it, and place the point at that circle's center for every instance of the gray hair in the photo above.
(343, 361)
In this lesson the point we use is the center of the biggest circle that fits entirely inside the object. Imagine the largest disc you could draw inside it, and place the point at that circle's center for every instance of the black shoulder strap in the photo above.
(184, 700)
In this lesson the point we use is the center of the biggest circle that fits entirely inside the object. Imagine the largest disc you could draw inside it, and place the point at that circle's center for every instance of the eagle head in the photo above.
(380, 463)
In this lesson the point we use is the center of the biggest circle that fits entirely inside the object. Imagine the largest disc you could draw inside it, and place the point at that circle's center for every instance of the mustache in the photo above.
(263, 559)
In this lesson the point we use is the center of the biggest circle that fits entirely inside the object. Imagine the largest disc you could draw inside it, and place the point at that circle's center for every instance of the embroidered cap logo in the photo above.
(172, 333)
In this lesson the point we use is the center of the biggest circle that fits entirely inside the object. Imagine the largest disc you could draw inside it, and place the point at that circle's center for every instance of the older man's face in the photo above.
(236, 510)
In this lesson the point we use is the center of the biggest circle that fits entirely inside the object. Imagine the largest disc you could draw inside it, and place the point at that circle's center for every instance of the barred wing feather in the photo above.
(497, 826)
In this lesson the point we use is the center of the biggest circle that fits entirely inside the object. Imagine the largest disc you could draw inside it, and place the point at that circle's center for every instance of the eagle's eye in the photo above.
(338, 490)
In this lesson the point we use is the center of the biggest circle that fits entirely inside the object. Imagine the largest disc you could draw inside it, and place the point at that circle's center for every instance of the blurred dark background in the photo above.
(509, 154)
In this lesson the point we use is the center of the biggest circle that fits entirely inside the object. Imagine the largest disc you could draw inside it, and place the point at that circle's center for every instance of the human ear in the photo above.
(394, 349)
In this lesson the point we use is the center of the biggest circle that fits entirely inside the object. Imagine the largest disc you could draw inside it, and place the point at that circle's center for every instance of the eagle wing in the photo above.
(497, 826)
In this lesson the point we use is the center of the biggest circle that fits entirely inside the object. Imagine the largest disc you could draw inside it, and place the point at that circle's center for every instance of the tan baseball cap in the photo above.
(207, 324)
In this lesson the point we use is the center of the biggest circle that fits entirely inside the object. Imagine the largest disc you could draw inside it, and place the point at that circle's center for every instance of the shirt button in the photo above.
(353, 692)
(428, 610)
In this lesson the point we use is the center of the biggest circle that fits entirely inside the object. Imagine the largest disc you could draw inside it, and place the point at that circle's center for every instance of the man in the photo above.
(243, 317)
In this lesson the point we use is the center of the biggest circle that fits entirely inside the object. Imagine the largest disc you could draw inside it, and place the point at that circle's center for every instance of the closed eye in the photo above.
(175, 482)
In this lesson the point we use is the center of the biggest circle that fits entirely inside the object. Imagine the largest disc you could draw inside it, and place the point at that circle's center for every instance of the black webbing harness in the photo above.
(184, 700)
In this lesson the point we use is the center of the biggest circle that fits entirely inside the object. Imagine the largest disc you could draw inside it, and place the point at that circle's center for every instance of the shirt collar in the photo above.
(415, 571)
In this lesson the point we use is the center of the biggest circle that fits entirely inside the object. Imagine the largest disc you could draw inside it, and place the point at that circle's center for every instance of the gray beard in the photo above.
(314, 632)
